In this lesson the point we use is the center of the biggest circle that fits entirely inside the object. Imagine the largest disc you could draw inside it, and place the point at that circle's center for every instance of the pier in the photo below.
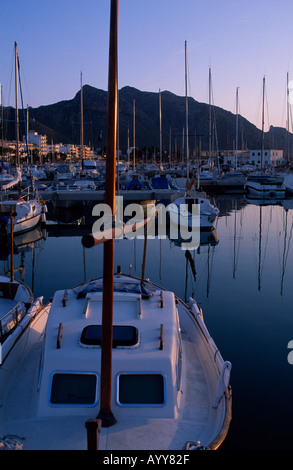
(98, 195)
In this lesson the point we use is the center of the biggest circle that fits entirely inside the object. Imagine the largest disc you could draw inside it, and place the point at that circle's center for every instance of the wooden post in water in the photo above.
(105, 413)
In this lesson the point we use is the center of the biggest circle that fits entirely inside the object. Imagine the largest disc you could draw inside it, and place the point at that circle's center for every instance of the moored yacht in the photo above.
(263, 185)
(193, 212)
(170, 384)
(28, 214)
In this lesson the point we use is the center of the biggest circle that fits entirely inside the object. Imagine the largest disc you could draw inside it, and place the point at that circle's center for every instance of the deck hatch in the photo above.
(123, 335)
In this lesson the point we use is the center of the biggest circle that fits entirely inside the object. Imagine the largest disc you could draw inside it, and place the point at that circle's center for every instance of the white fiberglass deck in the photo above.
(28, 413)
(18, 417)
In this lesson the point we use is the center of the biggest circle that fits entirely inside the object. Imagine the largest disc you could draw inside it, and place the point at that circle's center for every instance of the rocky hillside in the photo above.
(61, 122)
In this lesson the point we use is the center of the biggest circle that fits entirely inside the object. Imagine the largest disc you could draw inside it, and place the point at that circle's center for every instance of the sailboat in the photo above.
(184, 210)
(263, 185)
(29, 212)
(124, 363)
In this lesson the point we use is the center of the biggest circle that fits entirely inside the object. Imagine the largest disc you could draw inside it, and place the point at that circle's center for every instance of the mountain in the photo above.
(61, 122)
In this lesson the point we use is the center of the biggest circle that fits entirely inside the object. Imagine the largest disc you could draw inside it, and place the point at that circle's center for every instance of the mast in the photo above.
(263, 121)
(160, 109)
(27, 131)
(105, 413)
(170, 146)
(16, 105)
(81, 126)
(128, 150)
(186, 106)
(134, 134)
(210, 120)
(288, 119)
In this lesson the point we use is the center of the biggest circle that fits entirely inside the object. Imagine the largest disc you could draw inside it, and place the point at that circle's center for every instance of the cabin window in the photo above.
(141, 389)
(73, 389)
(123, 335)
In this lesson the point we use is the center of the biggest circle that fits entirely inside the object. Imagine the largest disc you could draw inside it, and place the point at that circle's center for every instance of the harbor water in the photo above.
(242, 278)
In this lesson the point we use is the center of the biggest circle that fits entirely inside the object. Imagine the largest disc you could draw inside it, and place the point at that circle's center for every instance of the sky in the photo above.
(240, 41)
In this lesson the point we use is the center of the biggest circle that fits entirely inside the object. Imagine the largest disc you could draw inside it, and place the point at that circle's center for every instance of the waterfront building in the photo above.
(271, 157)
(39, 141)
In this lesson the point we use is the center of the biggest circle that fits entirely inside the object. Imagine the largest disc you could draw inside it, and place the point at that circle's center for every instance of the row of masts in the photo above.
(185, 133)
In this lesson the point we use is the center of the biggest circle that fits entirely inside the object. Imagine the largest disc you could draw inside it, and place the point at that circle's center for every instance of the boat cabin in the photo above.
(146, 355)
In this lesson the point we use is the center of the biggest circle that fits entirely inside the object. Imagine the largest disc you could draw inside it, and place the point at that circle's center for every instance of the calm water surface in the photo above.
(241, 276)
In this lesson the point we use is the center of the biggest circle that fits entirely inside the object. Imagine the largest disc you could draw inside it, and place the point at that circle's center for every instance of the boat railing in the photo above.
(224, 367)
(218, 359)
(11, 319)
(10, 193)
(27, 193)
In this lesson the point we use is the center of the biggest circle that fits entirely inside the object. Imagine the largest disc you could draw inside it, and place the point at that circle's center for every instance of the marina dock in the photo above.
(98, 195)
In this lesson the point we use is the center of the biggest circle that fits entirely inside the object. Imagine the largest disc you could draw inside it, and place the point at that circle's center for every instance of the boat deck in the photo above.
(27, 412)
(19, 416)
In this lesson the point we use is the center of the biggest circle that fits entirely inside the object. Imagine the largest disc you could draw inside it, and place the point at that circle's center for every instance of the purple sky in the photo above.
(240, 40)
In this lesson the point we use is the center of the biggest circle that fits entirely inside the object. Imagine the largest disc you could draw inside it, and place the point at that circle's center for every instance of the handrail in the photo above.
(59, 335)
(12, 315)
(161, 336)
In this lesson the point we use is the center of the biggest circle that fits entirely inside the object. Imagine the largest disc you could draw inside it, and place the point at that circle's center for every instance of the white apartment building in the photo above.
(52, 148)
(271, 157)
(39, 141)
(70, 150)
(88, 152)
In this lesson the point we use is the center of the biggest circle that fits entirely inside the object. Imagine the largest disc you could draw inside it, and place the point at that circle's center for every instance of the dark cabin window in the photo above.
(123, 335)
(73, 389)
(141, 389)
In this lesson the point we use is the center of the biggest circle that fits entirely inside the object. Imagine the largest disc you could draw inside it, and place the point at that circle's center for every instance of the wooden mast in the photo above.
(105, 413)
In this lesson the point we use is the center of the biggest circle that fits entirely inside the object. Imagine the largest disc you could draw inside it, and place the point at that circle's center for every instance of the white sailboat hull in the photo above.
(23, 225)
(28, 214)
(182, 213)
(262, 190)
